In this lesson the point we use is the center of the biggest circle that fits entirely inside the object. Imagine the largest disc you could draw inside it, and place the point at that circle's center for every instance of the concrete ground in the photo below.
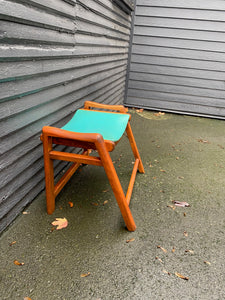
(184, 161)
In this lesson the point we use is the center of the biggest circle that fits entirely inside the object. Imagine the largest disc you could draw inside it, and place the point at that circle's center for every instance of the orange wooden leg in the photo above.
(134, 148)
(49, 174)
(115, 184)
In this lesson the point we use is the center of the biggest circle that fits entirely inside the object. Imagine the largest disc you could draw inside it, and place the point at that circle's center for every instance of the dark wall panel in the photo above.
(54, 55)
(177, 61)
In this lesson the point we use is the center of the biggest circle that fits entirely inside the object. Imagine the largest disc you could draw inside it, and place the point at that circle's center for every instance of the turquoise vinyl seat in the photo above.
(110, 125)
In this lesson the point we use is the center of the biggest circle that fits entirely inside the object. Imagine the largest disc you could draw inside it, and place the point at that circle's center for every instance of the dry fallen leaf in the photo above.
(105, 202)
(70, 204)
(16, 262)
(207, 262)
(168, 273)
(85, 274)
(185, 233)
(12, 243)
(162, 171)
(26, 213)
(94, 203)
(173, 250)
(159, 259)
(171, 206)
(26, 298)
(60, 223)
(131, 240)
(163, 249)
(159, 114)
(189, 251)
(179, 203)
(181, 276)
(203, 141)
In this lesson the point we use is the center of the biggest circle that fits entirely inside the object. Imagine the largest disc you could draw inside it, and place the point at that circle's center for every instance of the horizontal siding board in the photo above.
(183, 4)
(178, 13)
(96, 30)
(179, 62)
(56, 6)
(35, 84)
(110, 5)
(144, 32)
(189, 24)
(175, 52)
(15, 69)
(33, 35)
(177, 107)
(177, 89)
(89, 16)
(175, 98)
(13, 11)
(181, 81)
(214, 48)
(54, 56)
(101, 10)
(37, 52)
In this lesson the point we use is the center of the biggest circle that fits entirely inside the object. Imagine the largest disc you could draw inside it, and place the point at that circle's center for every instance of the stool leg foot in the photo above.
(49, 175)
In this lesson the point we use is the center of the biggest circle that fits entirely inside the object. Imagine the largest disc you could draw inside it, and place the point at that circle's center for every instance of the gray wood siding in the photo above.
(54, 55)
(177, 61)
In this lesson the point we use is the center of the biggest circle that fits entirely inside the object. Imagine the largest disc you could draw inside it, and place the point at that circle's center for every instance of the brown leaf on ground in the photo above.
(26, 213)
(181, 276)
(185, 233)
(94, 203)
(220, 146)
(173, 250)
(12, 243)
(70, 204)
(105, 191)
(189, 251)
(16, 262)
(140, 110)
(130, 240)
(185, 214)
(85, 274)
(179, 203)
(163, 249)
(105, 202)
(159, 259)
(60, 223)
(26, 298)
(171, 206)
(203, 141)
(159, 114)
(166, 272)
(161, 170)
(207, 262)
(180, 177)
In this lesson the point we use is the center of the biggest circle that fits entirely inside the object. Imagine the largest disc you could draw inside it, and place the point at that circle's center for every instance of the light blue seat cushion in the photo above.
(110, 125)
